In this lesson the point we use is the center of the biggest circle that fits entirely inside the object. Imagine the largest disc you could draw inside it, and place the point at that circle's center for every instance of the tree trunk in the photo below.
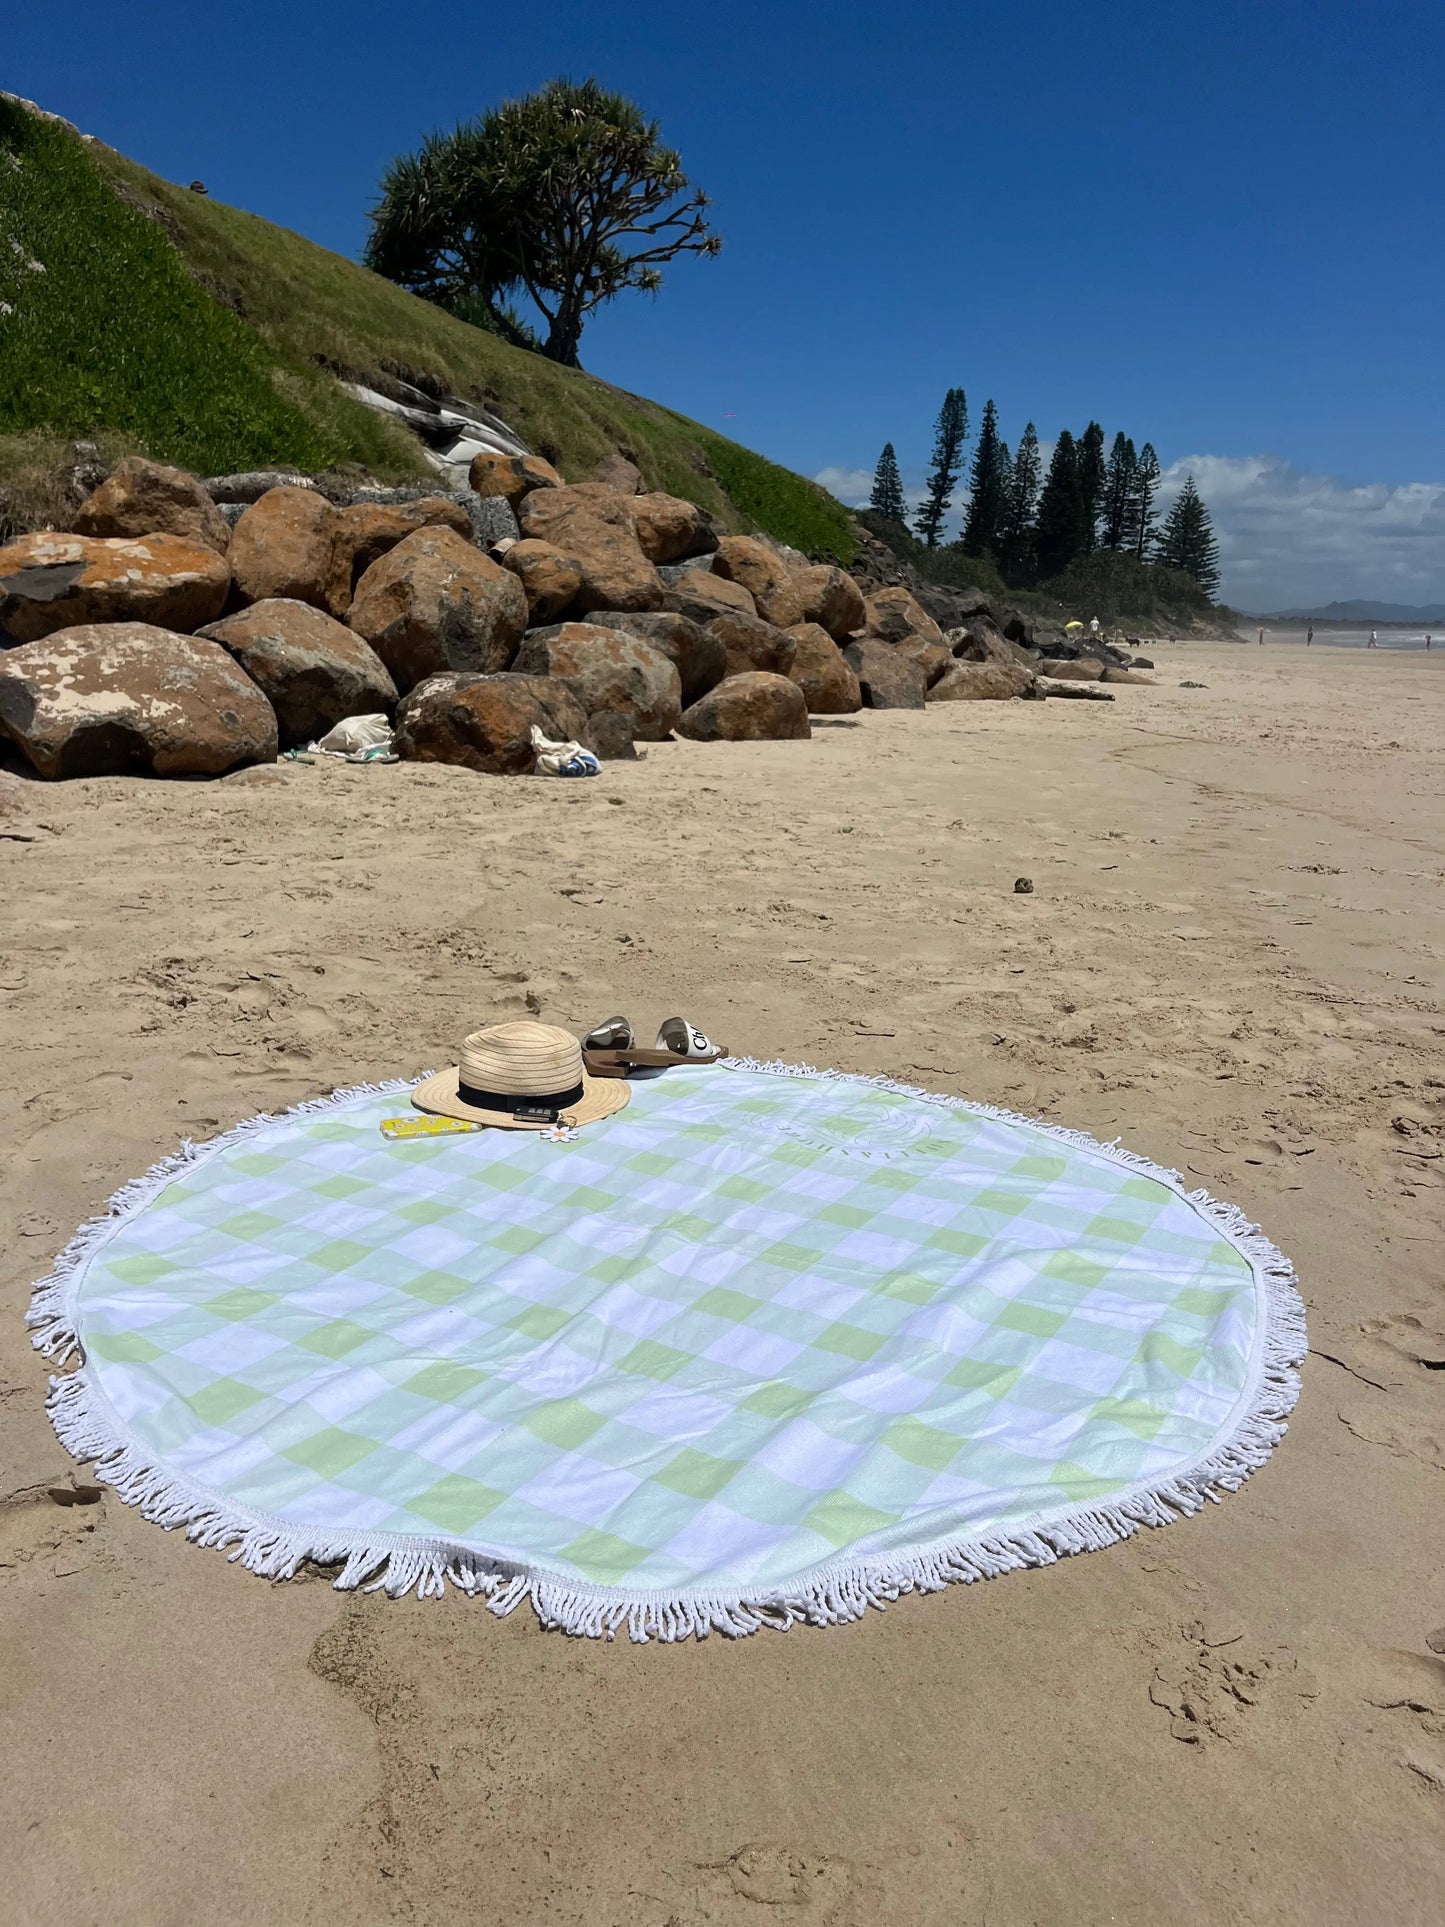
(564, 337)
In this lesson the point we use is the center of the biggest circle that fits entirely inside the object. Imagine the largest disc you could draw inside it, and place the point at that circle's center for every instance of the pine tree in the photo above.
(1061, 510)
(989, 489)
(1118, 492)
(1187, 542)
(1091, 484)
(1016, 546)
(887, 497)
(949, 435)
(1139, 526)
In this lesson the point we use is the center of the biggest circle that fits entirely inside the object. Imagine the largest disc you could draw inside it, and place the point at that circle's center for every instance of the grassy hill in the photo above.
(163, 322)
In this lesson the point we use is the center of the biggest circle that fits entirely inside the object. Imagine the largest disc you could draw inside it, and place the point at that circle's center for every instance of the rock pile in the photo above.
(182, 627)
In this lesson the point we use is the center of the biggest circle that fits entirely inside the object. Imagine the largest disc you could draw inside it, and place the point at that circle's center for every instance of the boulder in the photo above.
(611, 737)
(619, 473)
(830, 598)
(434, 604)
(669, 528)
(887, 677)
(699, 656)
(765, 576)
(607, 669)
(1092, 691)
(290, 545)
(597, 530)
(549, 579)
(511, 476)
(146, 498)
(829, 686)
(982, 682)
(751, 643)
(50, 581)
(892, 615)
(311, 668)
(1139, 662)
(700, 595)
(491, 517)
(980, 641)
(933, 658)
(1112, 673)
(485, 722)
(1085, 669)
(973, 602)
(371, 530)
(124, 698)
(752, 708)
(251, 485)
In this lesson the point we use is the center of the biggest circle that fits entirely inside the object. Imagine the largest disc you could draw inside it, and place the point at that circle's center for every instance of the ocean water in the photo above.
(1294, 633)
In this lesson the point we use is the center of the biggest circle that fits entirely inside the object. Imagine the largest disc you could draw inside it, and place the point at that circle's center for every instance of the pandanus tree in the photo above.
(568, 195)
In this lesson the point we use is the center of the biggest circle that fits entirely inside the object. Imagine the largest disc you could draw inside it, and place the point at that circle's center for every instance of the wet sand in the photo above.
(1231, 959)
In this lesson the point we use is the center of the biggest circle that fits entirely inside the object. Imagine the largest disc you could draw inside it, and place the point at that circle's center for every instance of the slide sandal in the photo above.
(610, 1050)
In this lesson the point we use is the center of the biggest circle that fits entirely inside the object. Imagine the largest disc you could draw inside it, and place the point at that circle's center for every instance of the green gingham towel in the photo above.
(760, 1347)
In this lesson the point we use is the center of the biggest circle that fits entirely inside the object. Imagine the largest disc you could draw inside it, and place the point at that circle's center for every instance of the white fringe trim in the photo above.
(838, 1591)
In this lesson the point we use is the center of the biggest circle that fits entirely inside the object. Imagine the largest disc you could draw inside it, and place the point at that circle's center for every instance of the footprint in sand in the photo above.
(52, 1525)
(761, 1878)
(1411, 1689)
(1209, 1685)
(1419, 1340)
(1399, 1433)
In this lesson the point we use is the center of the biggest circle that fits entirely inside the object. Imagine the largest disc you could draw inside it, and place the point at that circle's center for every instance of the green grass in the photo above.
(113, 335)
(789, 508)
(199, 334)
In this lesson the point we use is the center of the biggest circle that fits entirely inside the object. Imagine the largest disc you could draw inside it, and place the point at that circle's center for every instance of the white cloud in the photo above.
(853, 486)
(1289, 539)
(1286, 539)
(850, 485)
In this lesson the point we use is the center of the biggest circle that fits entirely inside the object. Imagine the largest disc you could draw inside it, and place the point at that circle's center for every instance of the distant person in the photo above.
(1261, 635)
(1094, 626)
(1309, 635)
(1374, 641)
(1427, 641)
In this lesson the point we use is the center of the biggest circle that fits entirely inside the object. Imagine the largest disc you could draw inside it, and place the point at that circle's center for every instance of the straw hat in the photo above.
(521, 1076)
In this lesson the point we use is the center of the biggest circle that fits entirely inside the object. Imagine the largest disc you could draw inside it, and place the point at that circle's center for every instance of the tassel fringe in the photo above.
(842, 1590)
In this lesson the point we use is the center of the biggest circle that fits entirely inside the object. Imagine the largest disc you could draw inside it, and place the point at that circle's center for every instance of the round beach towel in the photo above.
(767, 1345)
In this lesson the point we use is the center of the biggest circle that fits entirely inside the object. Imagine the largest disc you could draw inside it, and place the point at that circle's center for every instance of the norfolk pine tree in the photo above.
(1016, 544)
(887, 497)
(1061, 509)
(989, 489)
(949, 435)
(1091, 485)
(1118, 492)
(1187, 542)
(1139, 530)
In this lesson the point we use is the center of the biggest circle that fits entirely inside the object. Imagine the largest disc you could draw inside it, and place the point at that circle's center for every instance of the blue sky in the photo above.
(1214, 227)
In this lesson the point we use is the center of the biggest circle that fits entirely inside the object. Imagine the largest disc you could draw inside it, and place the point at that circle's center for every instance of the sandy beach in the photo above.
(1231, 960)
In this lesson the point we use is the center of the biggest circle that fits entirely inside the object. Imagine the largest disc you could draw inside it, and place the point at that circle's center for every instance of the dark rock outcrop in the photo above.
(50, 581)
(752, 708)
(485, 723)
(123, 698)
(146, 498)
(697, 654)
(312, 669)
(887, 677)
(607, 669)
(435, 604)
(829, 686)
